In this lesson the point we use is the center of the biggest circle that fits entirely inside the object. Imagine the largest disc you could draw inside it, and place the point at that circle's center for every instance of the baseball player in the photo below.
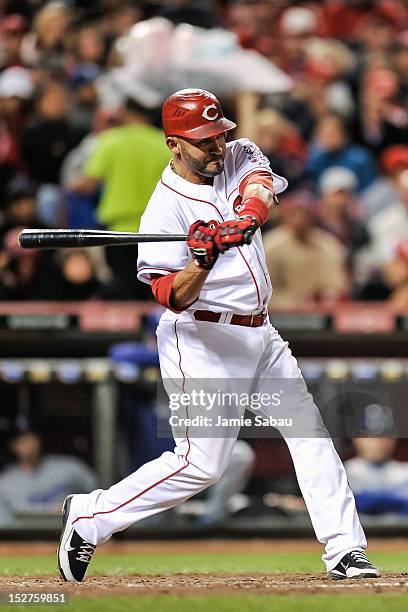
(216, 289)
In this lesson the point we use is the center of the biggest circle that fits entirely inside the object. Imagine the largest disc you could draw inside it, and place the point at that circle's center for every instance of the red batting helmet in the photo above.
(195, 114)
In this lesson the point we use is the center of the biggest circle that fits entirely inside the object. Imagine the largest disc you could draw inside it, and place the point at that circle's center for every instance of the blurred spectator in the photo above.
(280, 141)
(37, 484)
(383, 116)
(374, 39)
(332, 147)
(395, 274)
(20, 206)
(128, 161)
(388, 230)
(321, 86)
(77, 277)
(327, 69)
(399, 61)
(338, 212)
(306, 263)
(297, 25)
(80, 206)
(24, 274)
(15, 92)
(120, 16)
(45, 143)
(90, 47)
(382, 192)
(84, 96)
(255, 23)
(12, 28)
(379, 483)
(46, 42)
(345, 19)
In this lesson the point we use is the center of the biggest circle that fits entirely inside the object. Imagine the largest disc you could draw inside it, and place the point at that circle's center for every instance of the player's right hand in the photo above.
(202, 244)
(235, 233)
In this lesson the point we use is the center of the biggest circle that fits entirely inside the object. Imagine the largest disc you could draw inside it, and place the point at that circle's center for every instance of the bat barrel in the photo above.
(69, 238)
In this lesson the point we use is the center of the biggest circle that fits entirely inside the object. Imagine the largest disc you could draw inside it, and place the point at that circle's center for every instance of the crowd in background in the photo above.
(340, 136)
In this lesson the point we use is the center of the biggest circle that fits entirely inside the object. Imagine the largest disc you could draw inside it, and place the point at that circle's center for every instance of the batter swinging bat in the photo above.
(71, 238)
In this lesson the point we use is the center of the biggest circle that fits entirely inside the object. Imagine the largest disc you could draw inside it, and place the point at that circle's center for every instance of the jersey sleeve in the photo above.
(161, 257)
(249, 158)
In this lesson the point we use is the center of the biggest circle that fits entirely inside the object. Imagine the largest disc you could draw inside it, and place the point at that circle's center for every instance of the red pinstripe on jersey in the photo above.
(191, 198)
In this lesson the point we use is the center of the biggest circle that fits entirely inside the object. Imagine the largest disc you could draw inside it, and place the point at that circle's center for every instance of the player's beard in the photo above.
(201, 168)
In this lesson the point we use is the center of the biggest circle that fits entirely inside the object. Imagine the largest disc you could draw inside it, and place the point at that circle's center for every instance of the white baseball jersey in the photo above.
(239, 282)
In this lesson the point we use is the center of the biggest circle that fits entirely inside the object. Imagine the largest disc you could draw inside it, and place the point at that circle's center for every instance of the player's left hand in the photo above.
(235, 233)
(201, 242)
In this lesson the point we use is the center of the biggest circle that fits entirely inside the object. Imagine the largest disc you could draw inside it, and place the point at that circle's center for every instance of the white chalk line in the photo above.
(358, 585)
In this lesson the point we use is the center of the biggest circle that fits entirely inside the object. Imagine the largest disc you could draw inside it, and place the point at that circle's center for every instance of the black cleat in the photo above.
(354, 565)
(74, 553)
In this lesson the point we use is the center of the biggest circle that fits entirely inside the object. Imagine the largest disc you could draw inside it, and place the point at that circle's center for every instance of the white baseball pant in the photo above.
(191, 349)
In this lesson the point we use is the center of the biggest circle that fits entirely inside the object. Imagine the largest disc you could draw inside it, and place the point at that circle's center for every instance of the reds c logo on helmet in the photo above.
(195, 114)
(206, 112)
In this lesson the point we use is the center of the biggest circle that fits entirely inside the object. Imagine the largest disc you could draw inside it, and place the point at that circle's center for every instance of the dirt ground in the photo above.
(190, 584)
(200, 584)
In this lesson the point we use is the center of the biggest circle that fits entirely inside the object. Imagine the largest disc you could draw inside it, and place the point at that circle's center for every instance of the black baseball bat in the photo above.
(71, 238)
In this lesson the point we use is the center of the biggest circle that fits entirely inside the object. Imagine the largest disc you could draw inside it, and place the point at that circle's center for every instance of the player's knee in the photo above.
(210, 474)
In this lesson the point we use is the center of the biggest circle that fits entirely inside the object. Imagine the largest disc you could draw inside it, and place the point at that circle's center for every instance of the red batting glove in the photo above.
(235, 233)
(201, 242)
(254, 213)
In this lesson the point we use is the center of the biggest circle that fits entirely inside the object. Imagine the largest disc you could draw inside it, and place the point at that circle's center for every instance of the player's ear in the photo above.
(172, 143)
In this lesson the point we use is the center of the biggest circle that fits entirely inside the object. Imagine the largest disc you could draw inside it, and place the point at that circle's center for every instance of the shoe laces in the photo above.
(358, 555)
(85, 552)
